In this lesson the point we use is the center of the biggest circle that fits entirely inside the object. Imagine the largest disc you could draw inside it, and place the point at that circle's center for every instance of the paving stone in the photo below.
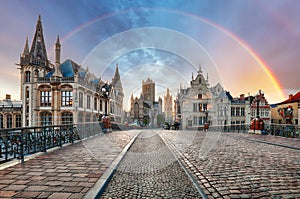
(59, 195)
(72, 169)
(8, 194)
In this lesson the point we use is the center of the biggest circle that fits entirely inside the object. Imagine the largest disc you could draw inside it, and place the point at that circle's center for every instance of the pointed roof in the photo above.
(38, 47)
(26, 48)
(116, 80)
(57, 40)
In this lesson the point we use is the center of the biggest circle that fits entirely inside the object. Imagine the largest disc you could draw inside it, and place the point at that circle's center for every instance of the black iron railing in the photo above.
(18, 142)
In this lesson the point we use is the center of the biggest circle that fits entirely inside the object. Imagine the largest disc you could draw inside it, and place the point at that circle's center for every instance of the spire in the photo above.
(26, 48)
(192, 76)
(116, 80)
(38, 49)
(199, 71)
(57, 51)
(25, 56)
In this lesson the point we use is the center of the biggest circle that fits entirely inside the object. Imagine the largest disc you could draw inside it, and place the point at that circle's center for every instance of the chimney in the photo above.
(242, 97)
(7, 97)
(290, 96)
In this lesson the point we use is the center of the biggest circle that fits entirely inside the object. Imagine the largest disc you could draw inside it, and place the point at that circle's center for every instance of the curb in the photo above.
(101, 184)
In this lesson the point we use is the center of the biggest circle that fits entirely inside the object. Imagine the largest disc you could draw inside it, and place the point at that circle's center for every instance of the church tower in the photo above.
(168, 106)
(33, 64)
(148, 90)
(118, 95)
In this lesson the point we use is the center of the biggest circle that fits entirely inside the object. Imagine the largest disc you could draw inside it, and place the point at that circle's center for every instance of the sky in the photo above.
(245, 46)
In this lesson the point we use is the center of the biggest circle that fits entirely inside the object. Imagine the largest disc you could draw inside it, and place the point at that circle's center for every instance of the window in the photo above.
(232, 111)
(237, 111)
(27, 93)
(18, 120)
(66, 98)
(1, 121)
(194, 107)
(46, 119)
(67, 118)
(27, 108)
(199, 96)
(200, 120)
(81, 100)
(46, 98)
(204, 107)
(88, 102)
(189, 122)
(9, 121)
(101, 107)
(242, 111)
(195, 121)
(27, 76)
(95, 103)
(200, 107)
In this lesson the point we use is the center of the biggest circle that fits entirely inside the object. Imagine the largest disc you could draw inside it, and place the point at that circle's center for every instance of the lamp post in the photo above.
(105, 93)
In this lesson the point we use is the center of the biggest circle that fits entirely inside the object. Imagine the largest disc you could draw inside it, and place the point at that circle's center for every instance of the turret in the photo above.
(57, 51)
(25, 56)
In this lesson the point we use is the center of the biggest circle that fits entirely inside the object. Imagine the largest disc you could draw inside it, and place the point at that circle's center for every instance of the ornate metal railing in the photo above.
(285, 130)
(18, 142)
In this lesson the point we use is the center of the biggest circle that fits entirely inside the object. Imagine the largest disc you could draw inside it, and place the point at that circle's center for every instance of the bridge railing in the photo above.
(18, 142)
(284, 130)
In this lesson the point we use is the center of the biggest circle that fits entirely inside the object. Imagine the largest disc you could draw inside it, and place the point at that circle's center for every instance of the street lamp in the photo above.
(105, 89)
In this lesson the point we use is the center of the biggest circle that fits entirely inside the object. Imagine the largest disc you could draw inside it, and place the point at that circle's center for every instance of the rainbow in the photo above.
(231, 35)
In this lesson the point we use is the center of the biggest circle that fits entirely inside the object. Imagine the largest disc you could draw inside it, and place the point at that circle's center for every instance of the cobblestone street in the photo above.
(149, 170)
(234, 167)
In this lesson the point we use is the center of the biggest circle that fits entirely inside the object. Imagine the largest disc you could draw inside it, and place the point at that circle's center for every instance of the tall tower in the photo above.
(33, 62)
(117, 103)
(148, 90)
(168, 107)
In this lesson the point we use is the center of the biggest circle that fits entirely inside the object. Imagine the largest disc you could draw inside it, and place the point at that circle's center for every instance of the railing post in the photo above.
(22, 146)
(6, 145)
(44, 139)
(60, 136)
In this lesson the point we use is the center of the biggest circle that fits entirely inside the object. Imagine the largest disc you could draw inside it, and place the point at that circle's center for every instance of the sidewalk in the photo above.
(68, 172)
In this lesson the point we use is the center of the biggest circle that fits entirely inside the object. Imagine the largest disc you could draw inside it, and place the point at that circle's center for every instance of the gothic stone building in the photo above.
(144, 110)
(168, 107)
(61, 93)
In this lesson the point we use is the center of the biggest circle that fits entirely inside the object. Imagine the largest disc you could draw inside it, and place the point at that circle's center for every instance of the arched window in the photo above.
(18, 120)
(27, 93)
(27, 76)
(9, 121)
(1, 122)
(67, 118)
(46, 119)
